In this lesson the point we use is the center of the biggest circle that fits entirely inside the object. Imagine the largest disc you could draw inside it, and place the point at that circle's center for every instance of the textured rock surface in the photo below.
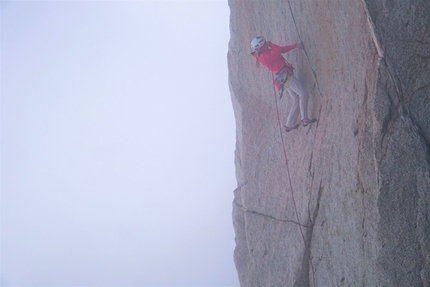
(361, 175)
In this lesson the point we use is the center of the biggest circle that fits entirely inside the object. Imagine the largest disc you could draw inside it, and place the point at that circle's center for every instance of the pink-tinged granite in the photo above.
(361, 174)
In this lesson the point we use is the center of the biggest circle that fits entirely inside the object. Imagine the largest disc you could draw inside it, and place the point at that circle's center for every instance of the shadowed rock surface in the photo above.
(360, 176)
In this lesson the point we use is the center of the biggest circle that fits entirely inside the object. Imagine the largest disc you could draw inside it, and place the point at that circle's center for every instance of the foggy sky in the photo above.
(117, 144)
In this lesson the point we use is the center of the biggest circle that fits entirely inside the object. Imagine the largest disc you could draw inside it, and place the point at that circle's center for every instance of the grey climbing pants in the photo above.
(300, 101)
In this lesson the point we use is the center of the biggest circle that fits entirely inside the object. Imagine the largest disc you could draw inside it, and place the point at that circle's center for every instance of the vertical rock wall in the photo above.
(360, 176)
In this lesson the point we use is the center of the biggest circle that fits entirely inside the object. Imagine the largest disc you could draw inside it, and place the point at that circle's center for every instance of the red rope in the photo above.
(291, 185)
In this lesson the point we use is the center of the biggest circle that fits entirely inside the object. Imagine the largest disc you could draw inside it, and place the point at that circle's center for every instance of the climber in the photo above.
(270, 55)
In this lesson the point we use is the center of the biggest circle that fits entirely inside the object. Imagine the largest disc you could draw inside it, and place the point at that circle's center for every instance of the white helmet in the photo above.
(257, 43)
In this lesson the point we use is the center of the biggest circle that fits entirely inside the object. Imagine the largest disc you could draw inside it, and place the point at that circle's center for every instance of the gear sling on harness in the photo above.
(282, 78)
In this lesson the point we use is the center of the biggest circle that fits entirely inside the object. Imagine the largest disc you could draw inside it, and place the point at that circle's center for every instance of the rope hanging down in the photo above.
(291, 185)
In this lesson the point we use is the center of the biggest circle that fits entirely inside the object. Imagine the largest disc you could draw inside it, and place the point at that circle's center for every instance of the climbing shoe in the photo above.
(289, 129)
(307, 121)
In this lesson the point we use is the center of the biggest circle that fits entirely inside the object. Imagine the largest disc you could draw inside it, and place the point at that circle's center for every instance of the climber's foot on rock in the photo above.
(289, 129)
(307, 121)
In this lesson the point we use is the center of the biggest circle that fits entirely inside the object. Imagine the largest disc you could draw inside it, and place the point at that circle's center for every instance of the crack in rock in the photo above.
(270, 216)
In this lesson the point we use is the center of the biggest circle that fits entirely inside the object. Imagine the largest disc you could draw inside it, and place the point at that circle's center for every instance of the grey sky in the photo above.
(117, 144)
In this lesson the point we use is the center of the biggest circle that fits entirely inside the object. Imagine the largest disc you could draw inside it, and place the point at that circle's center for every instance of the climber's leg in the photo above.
(296, 86)
(294, 111)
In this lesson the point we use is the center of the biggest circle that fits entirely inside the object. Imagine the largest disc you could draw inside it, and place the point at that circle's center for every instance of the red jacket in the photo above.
(271, 57)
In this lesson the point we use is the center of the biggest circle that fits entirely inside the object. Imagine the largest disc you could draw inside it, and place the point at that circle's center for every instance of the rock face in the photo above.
(357, 211)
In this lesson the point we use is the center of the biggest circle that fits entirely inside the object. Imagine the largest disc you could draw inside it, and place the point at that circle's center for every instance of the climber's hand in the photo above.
(299, 45)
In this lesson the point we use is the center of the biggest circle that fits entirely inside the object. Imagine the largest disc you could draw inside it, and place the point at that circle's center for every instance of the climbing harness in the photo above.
(282, 78)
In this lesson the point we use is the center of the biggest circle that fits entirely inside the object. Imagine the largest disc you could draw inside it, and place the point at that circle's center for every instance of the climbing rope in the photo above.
(291, 185)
